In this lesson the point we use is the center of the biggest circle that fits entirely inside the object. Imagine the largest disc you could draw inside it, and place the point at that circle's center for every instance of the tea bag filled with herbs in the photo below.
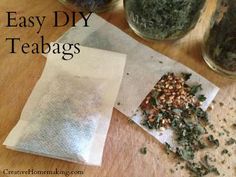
(219, 49)
(68, 113)
(163, 19)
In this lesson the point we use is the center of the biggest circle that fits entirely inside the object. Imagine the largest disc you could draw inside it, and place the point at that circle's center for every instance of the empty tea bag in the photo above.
(143, 69)
(67, 116)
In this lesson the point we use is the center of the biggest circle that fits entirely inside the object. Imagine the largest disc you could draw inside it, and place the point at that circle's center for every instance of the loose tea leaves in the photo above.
(163, 19)
(173, 104)
(202, 168)
(201, 98)
(170, 100)
(143, 150)
(231, 141)
(213, 141)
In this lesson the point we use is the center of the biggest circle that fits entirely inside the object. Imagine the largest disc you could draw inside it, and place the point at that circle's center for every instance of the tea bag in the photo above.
(67, 116)
(143, 69)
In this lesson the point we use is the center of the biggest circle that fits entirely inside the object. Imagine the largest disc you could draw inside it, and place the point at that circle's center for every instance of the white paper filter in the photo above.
(144, 67)
(67, 116)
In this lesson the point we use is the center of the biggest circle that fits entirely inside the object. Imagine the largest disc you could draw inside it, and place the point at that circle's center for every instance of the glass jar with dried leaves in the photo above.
(90, 5)
(163, 19)
(219, 46)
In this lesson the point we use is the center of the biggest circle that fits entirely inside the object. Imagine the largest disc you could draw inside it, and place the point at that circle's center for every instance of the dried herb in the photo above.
(221, 104)
(172, 171)
(143, 150)
(186, 153)
(186, 76)
(221, 134)
(226, 131)
(201, 98)
(231, 141)
(211, 126)
(234, 125)
(172, 103)
(188, 137)
(225, 151)
(163, 108)
(168, 148)
(195, 89)
(163, 19)
(202, 168)
(171, 98)
(214, 141)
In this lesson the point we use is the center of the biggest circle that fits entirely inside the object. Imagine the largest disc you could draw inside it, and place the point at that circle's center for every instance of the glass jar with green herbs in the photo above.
(219, 47)
(90, 5)
(163, 19)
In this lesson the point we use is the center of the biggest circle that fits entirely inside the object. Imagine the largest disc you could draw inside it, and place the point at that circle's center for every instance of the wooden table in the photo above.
(19, 73)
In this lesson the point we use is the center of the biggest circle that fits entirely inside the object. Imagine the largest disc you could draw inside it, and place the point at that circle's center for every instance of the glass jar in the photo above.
(219, 46)
(90, 5)
(163, 19)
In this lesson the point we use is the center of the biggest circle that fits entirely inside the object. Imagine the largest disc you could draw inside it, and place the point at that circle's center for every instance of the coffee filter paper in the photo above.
(67, 116)
(144, 67)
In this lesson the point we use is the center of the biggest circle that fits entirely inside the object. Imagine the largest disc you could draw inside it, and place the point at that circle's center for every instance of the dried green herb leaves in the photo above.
(170, 100)
(168, 148)
(231, 141)
(172, 103)
(185, 117)
(143, 150)
(188, 137)
(201, 98)
(163, 19)
(202, 168)
(213, 141)
(225, 151)
(186, 76)
(195, 89)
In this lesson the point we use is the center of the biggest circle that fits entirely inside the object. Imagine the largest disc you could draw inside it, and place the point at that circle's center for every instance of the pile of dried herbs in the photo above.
(202, 168)
(174, 104)
(220, 44)
(172, 101)
(163, 19)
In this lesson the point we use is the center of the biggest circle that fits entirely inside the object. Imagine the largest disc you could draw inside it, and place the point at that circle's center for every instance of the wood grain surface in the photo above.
(19, 74)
